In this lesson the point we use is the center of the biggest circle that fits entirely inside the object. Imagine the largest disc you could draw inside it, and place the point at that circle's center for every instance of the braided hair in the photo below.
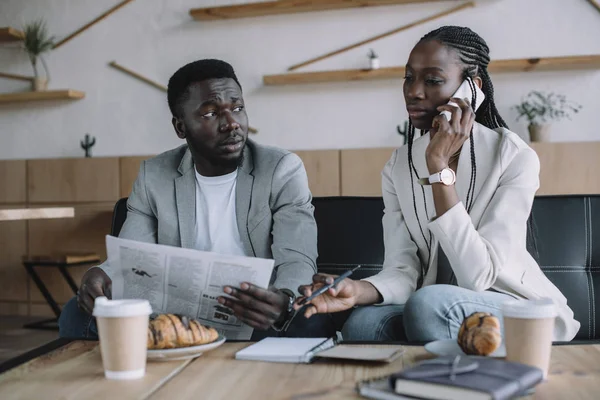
(474, 52)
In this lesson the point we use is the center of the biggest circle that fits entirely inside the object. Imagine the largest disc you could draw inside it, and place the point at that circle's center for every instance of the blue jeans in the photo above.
(76, 324)
(431, 313)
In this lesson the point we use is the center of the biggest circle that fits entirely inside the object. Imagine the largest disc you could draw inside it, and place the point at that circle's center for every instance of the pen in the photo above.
(327, 287)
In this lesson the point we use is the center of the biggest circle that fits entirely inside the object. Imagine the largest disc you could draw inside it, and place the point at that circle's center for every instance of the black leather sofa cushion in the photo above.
(349, 234)
(564, 228)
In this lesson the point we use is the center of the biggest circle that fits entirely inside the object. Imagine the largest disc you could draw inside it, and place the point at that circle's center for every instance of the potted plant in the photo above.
(373, 59)
(540, 108)
(36, 41)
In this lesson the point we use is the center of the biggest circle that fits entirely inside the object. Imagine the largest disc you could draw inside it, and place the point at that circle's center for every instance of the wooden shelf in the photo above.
(66, 94)
(36, 213)
(499, 66)
(8, 34)
(287, 7)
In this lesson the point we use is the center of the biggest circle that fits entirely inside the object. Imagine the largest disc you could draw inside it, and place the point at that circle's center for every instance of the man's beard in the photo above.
(215, 160)
(234, 162)
(228, 163)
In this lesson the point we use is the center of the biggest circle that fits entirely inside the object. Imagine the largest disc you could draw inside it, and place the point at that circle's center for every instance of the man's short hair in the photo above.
(193, 72)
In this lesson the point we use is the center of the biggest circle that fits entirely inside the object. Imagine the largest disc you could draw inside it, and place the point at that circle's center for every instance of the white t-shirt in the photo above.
(216, 219)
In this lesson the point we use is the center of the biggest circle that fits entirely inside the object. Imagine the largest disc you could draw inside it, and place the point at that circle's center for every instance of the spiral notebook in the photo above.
(287, 350)
(305, 350)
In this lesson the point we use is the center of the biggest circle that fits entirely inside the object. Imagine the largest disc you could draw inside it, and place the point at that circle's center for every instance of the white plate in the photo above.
(449, 347)
(184, 353)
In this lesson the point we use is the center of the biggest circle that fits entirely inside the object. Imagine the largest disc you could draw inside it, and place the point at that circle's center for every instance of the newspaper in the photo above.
(184, 281)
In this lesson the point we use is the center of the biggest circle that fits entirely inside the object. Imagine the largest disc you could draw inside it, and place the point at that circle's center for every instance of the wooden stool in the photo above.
(61, 262)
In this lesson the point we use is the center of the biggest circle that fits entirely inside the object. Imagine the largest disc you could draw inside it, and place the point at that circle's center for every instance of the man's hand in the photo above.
(339, 298)
(256, 307)
(95, 283)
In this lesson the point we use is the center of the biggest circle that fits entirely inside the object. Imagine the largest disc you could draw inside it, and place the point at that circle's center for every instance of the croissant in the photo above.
(169, 331)
(479, 334)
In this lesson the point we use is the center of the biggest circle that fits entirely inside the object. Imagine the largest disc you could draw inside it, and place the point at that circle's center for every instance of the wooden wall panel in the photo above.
(42, 309)
(13, 245)
(323, 170)
(361, 171)
(566, 168)
(129, 167)
(569, 168)
(14, 308)
(13, 183)
(73, 180)
(85, 232)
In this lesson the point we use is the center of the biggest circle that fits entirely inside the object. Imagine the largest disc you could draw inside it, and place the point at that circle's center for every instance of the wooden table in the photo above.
(74, 371)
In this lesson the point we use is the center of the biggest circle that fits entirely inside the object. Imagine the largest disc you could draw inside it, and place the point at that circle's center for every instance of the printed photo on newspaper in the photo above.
(184, 281)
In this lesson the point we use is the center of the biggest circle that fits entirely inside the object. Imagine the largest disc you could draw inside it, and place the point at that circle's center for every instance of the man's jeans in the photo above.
(431, 313)
(76, 324)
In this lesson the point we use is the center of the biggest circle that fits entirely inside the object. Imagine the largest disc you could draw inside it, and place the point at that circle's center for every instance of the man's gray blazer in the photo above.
(273, 206)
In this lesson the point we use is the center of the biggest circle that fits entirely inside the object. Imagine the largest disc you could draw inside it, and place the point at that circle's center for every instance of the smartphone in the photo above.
(464, 90)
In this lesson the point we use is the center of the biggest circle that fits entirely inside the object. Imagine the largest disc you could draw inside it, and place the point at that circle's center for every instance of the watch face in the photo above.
(447, 176)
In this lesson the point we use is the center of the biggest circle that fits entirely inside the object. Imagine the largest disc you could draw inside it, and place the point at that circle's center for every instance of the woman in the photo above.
(479, 222)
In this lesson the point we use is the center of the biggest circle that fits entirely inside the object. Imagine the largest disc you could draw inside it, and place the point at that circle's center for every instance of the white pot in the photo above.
(39, 84)
(539, 133)
(374, 63)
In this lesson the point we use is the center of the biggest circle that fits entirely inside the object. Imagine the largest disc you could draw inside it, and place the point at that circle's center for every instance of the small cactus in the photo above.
(87, 144)
(403, 132)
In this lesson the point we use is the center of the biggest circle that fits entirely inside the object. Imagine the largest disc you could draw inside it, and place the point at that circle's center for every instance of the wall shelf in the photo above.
(66, 94)
(287, 7)
(8, 34)
(499, 66)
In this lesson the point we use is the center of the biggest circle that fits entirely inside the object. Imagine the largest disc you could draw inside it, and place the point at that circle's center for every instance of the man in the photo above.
(220, 192)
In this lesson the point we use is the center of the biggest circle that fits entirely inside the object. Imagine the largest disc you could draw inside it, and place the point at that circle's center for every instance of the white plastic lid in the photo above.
(120, 308)
(529, 309)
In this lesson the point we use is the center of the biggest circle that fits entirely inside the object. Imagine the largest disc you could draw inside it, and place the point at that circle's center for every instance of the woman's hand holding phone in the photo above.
(449, 136)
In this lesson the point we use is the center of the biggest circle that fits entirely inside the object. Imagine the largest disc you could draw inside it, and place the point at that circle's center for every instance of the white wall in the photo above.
(155, 37)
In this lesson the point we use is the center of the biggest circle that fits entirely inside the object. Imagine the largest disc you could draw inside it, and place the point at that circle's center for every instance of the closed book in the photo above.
(379, 389)
(466, 378)
(382, 354)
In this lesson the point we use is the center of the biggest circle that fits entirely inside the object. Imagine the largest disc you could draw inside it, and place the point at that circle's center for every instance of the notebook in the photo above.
(379, 389)
(305, 350)
(361, 353)
(287, 350)
(466, 378)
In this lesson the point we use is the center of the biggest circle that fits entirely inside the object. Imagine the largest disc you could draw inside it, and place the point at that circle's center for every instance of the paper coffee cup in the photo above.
(528, 331)
(123, 332)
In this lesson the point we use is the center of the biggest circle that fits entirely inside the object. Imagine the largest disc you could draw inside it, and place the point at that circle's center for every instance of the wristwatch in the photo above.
(290, 313)
(446, 177)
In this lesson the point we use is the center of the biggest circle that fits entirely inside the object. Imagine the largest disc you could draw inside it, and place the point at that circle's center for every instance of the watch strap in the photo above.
(290, 313)
(435, 178)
